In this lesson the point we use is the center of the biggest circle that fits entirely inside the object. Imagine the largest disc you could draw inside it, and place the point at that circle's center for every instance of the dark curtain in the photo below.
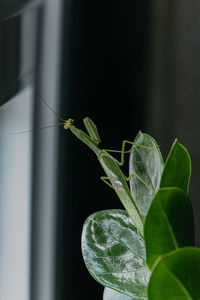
(172, 91)
(103, 76)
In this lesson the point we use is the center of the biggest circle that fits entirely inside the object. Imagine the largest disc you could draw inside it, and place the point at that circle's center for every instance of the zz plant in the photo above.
(156, 260)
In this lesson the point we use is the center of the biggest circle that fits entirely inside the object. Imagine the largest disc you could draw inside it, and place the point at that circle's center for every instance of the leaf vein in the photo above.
(120, 241)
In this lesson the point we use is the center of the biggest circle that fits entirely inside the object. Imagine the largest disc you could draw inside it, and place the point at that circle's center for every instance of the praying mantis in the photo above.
(115, 178)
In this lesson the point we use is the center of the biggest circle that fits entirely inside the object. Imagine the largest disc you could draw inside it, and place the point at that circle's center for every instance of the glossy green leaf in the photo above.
(110, 294)
(148, 164)
(114, 252)
(169, 223)
(176, 276)
(177, 169)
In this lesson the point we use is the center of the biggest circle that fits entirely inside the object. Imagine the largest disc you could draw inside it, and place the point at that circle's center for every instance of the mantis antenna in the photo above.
(64, 122)
(51, 109)
(20, 132)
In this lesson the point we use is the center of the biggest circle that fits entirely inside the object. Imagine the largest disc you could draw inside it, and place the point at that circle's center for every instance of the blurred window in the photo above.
(15, 180)
(18, 27)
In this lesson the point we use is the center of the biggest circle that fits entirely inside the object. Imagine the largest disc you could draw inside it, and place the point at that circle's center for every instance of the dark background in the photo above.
(103, 76)
(128, 65)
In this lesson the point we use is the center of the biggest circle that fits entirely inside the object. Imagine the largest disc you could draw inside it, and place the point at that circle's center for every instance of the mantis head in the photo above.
(68, 123)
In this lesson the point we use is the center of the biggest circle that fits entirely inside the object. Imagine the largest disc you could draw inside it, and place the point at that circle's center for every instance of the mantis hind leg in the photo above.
(136, 175)
(123, 151)
(116, 185)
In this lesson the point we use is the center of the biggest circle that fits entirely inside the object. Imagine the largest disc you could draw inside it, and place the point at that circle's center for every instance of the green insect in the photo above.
(115, 178)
